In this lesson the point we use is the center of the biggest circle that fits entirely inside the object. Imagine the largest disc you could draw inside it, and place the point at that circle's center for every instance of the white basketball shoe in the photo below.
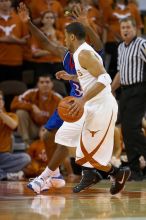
(39, 184)
(55, 182)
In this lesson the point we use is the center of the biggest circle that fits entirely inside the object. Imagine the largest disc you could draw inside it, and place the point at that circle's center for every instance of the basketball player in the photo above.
(55, 121)
(93, 134)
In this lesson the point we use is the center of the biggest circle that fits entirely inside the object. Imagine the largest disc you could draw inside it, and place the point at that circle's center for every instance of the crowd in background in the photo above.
(23, 58)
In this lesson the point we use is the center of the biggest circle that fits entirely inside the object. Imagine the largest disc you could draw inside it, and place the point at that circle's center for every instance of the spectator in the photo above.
(44, 60)
(12, 36)
(132, 77)
(38, 7)
(133, 6)
(134, 2)
(34, 107)
(112, 19)
(11, 164)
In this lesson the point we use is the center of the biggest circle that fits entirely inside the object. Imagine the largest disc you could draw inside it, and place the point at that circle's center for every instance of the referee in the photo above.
(132, 78)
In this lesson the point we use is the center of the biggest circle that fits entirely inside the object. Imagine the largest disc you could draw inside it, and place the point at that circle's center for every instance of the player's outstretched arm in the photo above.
(46, 43)
(65, 76)
(81, 16)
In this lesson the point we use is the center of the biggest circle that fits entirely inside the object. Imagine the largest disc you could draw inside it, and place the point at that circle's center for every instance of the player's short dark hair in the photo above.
(77, 29)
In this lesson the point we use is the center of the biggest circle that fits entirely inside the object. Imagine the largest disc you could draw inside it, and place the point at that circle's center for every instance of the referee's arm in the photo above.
(116, 82)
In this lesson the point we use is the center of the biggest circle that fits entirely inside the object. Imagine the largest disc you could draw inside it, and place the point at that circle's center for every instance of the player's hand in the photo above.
(63, 75)
(76, 106)
(23, 12)
(80, 14)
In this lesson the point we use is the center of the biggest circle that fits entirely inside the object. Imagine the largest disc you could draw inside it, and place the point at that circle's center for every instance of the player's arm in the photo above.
(65, 76)
(94, 38)
(47, 44)
(81, 16)
(89, 61)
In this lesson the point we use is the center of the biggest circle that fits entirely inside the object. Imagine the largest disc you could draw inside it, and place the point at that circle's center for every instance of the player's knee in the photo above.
(63, 149)
(48, 136)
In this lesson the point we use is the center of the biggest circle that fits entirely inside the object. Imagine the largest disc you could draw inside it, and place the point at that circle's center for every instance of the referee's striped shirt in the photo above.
(132, 61)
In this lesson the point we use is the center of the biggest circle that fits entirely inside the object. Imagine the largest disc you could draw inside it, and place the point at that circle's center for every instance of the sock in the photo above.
(56, 172)
(46, 174)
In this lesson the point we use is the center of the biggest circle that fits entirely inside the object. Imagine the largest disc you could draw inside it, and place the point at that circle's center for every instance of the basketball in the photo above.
(63, 110)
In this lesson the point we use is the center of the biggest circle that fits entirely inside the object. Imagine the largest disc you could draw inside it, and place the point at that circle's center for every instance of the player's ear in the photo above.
(72, 37)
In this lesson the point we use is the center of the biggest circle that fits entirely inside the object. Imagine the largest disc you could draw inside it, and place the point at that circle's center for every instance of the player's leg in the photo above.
(96, 136)
(67, 135)
(98, 131)
(50, 129)
(53, 124)
(57, 180)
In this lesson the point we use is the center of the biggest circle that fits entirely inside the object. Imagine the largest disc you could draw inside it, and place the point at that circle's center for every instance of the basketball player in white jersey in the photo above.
(93, 134)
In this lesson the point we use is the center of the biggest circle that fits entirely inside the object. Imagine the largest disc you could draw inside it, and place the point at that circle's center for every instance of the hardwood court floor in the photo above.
(19, 203)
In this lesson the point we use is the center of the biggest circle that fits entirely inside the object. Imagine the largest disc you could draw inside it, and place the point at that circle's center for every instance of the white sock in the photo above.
(56, 172)
(46, 173)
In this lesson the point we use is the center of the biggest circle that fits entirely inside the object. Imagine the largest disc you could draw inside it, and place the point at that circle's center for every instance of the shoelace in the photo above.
(31, 179)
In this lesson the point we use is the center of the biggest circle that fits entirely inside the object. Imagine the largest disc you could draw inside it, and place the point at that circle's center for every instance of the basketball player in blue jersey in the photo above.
(69, 74)
(75, 90)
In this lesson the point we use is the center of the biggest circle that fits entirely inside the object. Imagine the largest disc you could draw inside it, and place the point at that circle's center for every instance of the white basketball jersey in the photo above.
(86, 79)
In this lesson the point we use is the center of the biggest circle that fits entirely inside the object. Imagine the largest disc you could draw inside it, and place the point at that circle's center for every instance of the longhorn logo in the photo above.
(8, 29)
(93, 132)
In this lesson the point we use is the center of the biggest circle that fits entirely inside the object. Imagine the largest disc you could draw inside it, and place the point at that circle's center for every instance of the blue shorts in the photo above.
(54, 122)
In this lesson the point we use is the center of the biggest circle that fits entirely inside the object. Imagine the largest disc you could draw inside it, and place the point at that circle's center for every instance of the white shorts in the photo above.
(93, 134)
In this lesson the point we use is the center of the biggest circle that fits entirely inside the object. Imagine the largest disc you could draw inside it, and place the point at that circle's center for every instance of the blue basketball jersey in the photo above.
(69, 67)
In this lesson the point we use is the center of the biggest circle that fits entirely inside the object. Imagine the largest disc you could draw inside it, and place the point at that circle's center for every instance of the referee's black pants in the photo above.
(132, 109)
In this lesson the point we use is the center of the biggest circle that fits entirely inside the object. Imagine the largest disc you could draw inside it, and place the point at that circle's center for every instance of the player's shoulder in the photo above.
(85, 53)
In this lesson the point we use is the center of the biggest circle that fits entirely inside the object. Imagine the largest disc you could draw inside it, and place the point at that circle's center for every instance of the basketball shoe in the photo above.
(36, 184)
(118, 180)
(89, 177)
(39, 184)
(55, 182)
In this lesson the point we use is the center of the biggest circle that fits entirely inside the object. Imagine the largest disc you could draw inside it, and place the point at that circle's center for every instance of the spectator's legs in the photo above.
(26, 128)
(12, 162)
